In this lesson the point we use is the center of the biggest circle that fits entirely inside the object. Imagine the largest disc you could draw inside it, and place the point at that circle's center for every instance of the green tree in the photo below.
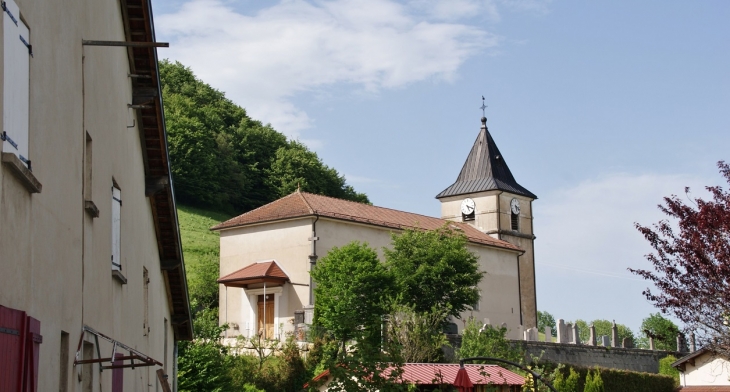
(563, 384)
(666, 368)
(477, 341)
(434, 269)
(418, 337)
(352, 288)
(663, 330)
(296, 167)
(223, 159)
(594, 382)
(545, 319)
(203, 362)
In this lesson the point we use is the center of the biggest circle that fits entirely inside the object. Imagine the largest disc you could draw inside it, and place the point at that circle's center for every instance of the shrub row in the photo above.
(615, 380)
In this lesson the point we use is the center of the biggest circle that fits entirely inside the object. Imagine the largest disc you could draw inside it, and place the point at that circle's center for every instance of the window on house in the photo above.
(116, 227)
(515, 222)
(16, 88)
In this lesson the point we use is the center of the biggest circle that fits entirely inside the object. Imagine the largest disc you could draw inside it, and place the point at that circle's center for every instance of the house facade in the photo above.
(703, 371)
(266, 254)
(92, 278)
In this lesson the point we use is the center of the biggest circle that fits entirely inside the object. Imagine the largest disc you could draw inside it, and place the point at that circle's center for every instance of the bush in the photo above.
(594, 382)
(489, 342)
(612, 380)
(666, 368)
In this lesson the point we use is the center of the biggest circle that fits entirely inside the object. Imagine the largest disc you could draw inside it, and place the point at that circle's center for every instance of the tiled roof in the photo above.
(437, 373)
(484, 170)
(301, 204)
(445, 373)
(255, 273)
(147, 93)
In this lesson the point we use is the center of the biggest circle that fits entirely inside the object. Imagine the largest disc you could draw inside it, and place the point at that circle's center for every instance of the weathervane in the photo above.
(484, 114)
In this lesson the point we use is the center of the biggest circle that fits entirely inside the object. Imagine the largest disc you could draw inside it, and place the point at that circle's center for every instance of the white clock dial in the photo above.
(467, 206)
(514, 205)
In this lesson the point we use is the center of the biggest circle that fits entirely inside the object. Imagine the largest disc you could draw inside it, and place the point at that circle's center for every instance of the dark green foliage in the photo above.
(615, 380)
(566, 384)
(223, 159)
(666, 368)
(203, 363)
(434, 268)
(545, 319)
(489, 342)
(662, 329)
(294, 166)
(352, 291)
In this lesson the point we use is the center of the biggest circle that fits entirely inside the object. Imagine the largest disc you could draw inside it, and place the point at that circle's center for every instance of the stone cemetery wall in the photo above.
(588, 356)
(599, 351)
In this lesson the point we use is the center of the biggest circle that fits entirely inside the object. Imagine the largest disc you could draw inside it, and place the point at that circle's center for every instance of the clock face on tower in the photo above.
(468, 206)
(514, 206)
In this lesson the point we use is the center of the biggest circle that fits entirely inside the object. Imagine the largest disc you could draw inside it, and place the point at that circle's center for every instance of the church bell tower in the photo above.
(486, 196)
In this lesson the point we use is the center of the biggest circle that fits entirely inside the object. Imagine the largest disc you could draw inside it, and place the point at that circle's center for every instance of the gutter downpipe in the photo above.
(313, 259)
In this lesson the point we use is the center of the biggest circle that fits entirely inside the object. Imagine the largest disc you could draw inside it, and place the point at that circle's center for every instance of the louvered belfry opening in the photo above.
(515, 222)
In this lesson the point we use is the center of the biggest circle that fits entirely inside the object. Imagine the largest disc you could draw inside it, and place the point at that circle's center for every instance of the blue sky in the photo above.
(599, 108)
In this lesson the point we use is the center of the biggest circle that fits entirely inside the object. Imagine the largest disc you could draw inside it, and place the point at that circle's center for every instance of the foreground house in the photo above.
(703, 371)
(266, 254)
(431, 376)
(93, 294)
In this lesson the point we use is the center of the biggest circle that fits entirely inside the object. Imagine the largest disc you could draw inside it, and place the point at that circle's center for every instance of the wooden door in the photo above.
(266, 316)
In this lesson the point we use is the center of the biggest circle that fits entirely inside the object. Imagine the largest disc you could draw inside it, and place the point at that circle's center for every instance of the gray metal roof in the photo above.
(484, 170)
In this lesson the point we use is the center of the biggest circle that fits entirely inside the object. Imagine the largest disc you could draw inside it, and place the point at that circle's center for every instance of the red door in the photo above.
(20, 339)
(12, 337)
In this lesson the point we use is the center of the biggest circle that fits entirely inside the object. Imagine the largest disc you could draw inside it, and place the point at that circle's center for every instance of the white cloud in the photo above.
(598, 216)
(264, 59)
(586, 240)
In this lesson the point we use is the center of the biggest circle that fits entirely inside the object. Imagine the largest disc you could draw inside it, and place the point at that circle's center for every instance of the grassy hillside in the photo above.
(201, 251)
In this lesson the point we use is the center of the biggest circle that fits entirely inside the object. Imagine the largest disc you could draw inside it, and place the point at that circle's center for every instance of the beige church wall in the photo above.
(287, 243)
(499, 289)
(706, 371)
(335, 233)
(55, 258)
(500, 298)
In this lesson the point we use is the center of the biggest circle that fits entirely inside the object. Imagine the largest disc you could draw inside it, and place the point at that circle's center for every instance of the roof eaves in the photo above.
(277, 218)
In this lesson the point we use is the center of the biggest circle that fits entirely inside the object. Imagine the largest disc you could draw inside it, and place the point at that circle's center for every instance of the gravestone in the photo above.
(605, 342)
(614, 335)
(548, 334)
(627, 343)
(562, 332)
(651, 343)
(692, 343)
(569, 327)
(592, 341)
(576, 334)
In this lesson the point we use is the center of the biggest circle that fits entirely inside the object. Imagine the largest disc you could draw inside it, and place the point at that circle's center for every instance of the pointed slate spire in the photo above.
(484, 170)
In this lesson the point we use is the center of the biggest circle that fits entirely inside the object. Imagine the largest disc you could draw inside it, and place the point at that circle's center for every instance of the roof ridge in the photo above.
(304, 199)
(374, 206)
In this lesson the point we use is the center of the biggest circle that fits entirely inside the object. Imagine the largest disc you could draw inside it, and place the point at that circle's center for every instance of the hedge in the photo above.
(615, 380)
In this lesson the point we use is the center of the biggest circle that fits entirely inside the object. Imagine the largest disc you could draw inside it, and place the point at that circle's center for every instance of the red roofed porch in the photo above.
(267, 279)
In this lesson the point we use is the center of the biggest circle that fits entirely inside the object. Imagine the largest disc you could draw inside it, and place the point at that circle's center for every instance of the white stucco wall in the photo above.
(706, 371)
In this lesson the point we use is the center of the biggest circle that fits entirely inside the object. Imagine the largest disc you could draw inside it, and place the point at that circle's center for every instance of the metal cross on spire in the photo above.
(484, 106)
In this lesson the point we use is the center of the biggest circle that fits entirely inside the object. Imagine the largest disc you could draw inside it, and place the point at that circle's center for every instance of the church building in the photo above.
(266, 254)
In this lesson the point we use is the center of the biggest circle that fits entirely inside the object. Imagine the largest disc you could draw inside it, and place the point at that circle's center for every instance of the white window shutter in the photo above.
(16, 94)
(116, 228)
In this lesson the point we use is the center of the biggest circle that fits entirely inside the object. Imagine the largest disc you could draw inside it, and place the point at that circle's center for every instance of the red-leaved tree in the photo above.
(692, 264)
